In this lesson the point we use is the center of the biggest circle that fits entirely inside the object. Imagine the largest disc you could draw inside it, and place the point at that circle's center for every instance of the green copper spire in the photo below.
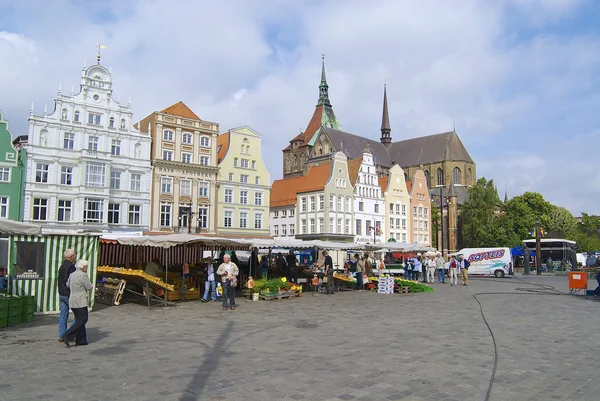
(323, 88)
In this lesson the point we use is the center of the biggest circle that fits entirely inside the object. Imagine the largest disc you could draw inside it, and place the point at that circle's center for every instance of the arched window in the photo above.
(205, 141)
(186, 138)
(427, 179)
(439, 177)
(168, 135)
(76, 116)
(456, 176)
(468, 177)
(111, 122)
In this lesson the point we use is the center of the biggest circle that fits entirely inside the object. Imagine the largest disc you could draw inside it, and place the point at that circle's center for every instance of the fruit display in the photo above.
(343, 277)
(414, 285)
(136, 273)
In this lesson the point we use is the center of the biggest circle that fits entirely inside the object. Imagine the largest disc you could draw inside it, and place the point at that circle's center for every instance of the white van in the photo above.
(487, 261)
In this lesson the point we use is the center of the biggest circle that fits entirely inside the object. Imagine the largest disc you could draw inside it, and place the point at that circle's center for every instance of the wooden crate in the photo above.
(281, 296)
(404, 290)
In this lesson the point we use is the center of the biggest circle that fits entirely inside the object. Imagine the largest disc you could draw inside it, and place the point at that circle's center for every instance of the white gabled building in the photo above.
(369, 204)
(88, 168)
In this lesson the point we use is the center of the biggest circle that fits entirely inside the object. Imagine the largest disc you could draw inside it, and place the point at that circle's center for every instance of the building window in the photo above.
(229, 196)
(348, 203)
(230, 177)
(257, 180)
(205, 141)
(186, 138)
(228, 219)
(244, 197)
(303, 204)
(420, 212)
(258, 198)
(135, 213)
(253, 162)
(311, 226)
(204, 160)
(340, 204)
(165, 215)
(186, 158)
(166, 185)
(321, 202)
(425, 212)
(414, 211)
(66, 175)
(113, 213)
(235, 162)
(115, 147)
(404, 237)
(244, 163)
(167, 155)
(311, 204)
(4, 174)
(302, 226)
(376, 208)
(136, 182)
(427, 180)
(276, 231)
(284, 230)
(439, 176)
(456, 176)
(69, 141)
(168, 135)
(358, 227)
(76, 116)
(391, 208)
(203, 217)
(94, 175)
(347, 231)
(361, 206)
(203, 189)
(111, 122)
(93, 144)
(332, 202)
(284, 213)
(185, 187)
(425, 225)
(40, 209)
(41, 173)
(391, 223)
(276, 214)
(403, 210)
(94, 118)
(92, 210)
(3, 207)
(292, 229)
(292, 212)
(332, 225)
(244, 220)
(404, 224)
(243, 179)
(115, 180)
(64, 210)
(339, 225)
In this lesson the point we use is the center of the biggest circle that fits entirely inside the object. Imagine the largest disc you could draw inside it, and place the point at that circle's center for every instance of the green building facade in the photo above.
(12, 175)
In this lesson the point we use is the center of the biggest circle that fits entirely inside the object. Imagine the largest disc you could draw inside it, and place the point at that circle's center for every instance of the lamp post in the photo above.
(189, 215)
(538, 247)
(441, 207)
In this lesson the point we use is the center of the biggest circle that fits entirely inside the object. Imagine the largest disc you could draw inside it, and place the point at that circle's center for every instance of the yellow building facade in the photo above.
(397, 205)
(244, 185)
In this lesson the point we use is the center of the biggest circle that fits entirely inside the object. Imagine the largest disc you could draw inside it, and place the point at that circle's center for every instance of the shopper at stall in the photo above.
(360, 270)
(282, 267)
(264, 267)
(64, 271)
(463, 267)
(292, 264)
(417, 268)
(453, 271)
(228, 272)
(210, 283)
(409, 266)
(597, 290)
(439, 265)
(329, 273)
(430, 269)
(79, 286)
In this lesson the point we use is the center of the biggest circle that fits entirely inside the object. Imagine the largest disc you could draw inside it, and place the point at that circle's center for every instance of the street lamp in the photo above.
(188, 217)
(374, 229)
(438, 199)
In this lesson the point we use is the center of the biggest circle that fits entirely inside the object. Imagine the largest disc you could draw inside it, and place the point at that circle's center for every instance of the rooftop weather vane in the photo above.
(100, 47)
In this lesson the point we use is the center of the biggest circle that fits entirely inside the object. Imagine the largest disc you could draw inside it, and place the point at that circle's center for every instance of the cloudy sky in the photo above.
(520, 78)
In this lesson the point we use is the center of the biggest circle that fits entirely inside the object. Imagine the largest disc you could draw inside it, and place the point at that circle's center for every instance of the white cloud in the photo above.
(238, 63)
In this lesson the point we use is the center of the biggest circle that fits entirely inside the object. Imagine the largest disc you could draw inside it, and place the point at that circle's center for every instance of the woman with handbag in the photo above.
(228, 272)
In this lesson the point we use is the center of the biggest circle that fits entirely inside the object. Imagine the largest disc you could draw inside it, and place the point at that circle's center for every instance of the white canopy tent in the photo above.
(10, 227)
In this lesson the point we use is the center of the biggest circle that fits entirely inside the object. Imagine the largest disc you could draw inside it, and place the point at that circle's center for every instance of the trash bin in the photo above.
(578, 281)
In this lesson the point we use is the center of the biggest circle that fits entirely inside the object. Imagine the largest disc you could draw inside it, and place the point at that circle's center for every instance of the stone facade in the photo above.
(12, 169)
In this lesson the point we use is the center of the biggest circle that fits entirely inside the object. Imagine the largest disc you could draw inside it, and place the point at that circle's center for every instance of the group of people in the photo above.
(431, 266)
(73, 288)
(284, 266)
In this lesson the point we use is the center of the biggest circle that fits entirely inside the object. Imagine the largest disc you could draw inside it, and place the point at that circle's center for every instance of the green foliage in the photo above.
(273, 285)
(480, 216)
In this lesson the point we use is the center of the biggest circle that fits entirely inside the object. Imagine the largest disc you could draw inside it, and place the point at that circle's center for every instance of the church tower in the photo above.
(386, 130)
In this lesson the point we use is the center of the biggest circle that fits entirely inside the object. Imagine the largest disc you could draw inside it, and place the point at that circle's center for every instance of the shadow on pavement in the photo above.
(197, 385)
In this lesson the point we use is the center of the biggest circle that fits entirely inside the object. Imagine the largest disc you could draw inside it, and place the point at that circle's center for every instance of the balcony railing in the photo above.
(191, 230)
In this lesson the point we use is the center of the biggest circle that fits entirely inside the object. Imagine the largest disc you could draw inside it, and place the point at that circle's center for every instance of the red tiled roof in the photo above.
(353, 169)
(313, 125)
(316, 178)
(222, 146)
(283, 192)
(383, 183)
(408, 187)
(181, 110)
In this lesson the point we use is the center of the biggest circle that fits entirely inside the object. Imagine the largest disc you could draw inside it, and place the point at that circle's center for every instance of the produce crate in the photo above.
(27, 317)
(12, 320)
(28, 301)
(3, 308)
(14, 304)
(4, 321)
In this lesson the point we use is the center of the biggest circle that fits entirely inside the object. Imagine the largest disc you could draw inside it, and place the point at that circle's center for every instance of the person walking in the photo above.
(417, 268)
(463, 266)
(441, 269)
(430, 269)
(453, 271)
(228, 272)
(64, 271)
(597, 290)
(329, 273)
(79, 286)
(360, 271)
(210, 283)
(292, 265)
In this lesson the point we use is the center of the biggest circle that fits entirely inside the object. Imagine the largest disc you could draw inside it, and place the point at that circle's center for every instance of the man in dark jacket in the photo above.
(281, 265)
(64, 271)
(292, 264)
(329, 273)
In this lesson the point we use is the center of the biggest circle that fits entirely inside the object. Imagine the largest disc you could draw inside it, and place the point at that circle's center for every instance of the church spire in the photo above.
(323, 87)
(386, 130)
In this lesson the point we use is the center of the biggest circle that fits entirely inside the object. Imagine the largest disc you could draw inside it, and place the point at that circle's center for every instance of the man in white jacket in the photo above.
(430, 269)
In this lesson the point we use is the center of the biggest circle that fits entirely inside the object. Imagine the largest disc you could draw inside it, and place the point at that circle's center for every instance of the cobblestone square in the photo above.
(350, 346)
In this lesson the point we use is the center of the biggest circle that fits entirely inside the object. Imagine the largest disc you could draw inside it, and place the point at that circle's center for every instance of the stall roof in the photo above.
(171, 240)
(10, 227)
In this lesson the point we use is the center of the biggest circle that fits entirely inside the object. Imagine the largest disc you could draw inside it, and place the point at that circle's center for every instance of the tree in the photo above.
(435, 221)
(561, 223)
(587, 233)
(520, 215)
(481, 212)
